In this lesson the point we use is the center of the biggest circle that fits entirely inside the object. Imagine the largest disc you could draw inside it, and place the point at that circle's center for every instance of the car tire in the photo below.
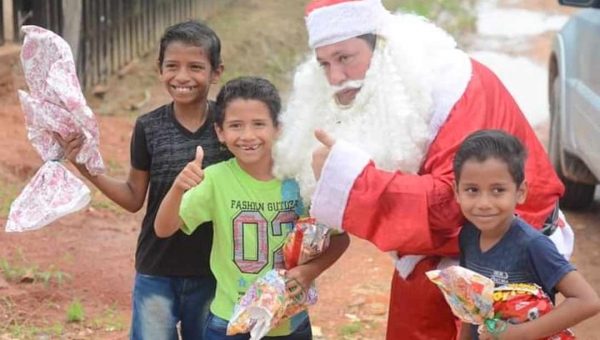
(577, 196)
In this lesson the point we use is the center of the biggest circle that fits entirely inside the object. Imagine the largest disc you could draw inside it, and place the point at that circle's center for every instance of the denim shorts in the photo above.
(216, 329)
(159, 303)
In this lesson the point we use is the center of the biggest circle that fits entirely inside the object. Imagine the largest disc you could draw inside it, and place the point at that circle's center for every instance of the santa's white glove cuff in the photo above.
(342, 167)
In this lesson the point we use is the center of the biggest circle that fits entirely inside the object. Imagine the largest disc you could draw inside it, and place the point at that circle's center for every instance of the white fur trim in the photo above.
(454, 72)
(344, 164)
(564, 238)
(446, 262)
(406, 264)
(335, 23)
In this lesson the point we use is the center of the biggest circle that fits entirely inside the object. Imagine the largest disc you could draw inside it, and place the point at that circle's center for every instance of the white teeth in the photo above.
(183, 88)
(249, 148)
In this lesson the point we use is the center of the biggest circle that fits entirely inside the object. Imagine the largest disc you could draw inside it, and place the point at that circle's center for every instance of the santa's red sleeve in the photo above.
(418, 214)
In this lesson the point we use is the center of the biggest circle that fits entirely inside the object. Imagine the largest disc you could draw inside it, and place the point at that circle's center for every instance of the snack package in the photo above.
(54, 104)
(474, 299)
(469, 294)
(305, 242)
(517, 303)
(265, 305)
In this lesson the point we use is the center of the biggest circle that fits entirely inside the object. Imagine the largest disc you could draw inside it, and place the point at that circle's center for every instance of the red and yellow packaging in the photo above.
(473, 299)
(519, 302)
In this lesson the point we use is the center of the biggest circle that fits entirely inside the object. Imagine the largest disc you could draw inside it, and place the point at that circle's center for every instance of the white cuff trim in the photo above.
(344, 164)
(406, 264)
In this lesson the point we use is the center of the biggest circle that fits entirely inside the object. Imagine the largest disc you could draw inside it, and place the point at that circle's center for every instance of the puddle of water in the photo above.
(511, 29)
(524, 79)
(516, 22)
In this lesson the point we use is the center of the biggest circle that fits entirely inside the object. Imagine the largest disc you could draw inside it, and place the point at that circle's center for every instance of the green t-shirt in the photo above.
(251, 222)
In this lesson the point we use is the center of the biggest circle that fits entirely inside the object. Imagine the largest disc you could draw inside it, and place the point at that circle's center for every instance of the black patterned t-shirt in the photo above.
(163, 147)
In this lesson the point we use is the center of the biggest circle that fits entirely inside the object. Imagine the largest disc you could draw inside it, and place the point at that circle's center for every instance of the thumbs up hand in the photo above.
(321, 153)
(192, 174)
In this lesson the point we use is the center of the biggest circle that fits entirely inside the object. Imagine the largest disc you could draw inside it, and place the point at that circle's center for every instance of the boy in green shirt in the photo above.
(243, 200)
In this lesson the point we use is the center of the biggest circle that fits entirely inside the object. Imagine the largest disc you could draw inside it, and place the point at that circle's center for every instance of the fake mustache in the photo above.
(350, 84)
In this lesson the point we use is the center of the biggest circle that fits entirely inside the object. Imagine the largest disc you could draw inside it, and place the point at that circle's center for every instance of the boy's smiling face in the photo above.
(249, 133)
(187, 73)
(488, 194)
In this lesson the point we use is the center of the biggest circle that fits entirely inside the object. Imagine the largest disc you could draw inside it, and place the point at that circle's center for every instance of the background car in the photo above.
(574, 94)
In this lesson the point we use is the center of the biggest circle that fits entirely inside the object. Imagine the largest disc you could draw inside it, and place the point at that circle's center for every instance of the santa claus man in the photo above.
(396, 98)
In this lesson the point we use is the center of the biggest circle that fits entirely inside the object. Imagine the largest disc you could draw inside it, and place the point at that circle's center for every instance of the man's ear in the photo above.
(217, 73)
(522, 192)
(455, 188)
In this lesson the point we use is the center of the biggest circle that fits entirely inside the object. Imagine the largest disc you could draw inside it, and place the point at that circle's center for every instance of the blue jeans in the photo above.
(159, 303)
(216, 329)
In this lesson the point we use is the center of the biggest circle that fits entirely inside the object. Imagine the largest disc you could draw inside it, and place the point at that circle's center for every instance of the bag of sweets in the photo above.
(474, 299)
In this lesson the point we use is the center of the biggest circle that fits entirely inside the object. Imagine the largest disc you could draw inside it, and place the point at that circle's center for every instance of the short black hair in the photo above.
(248, 88)
(486, 144)
(370, 38)
(194, 33)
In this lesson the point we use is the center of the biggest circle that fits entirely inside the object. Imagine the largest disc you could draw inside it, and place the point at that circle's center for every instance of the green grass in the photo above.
(455, 16)
(29, 331)
(20, 269)
(109, 320)
(262, 37)
(75, 311)
(350, 329)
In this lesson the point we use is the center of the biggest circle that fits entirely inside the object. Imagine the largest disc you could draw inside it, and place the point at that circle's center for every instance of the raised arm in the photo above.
(129, 194)
(417, 213)
(413, 214)
(167, 220)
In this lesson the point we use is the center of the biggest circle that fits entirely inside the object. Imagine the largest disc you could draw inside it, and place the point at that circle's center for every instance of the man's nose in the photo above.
(336, 75)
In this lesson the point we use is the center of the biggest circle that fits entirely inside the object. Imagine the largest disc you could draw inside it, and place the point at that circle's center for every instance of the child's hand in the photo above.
(298, 279)
(192, 174)
(71, 145)
(511, 332)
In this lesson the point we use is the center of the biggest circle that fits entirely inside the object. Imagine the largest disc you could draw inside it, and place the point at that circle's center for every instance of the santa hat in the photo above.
(331, 21)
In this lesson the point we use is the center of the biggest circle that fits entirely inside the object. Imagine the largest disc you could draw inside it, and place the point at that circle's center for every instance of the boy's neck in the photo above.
(192, 115)
(489, 238)
(260, 171)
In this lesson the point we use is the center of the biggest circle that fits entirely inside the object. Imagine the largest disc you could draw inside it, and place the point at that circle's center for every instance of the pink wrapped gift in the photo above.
(266, 304)
(55, 103)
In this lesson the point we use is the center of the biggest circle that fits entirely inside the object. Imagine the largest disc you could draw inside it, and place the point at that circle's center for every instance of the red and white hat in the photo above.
(331, 21)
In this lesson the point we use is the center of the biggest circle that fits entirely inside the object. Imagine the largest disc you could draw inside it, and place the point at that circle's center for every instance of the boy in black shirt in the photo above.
(173, 281)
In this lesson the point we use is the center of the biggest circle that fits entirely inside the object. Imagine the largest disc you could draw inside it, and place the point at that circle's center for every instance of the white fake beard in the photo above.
(381, 121)
(389, 118)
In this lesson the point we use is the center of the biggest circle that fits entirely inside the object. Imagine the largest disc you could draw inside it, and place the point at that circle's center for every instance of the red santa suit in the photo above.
(388, 178)
(417, 213)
